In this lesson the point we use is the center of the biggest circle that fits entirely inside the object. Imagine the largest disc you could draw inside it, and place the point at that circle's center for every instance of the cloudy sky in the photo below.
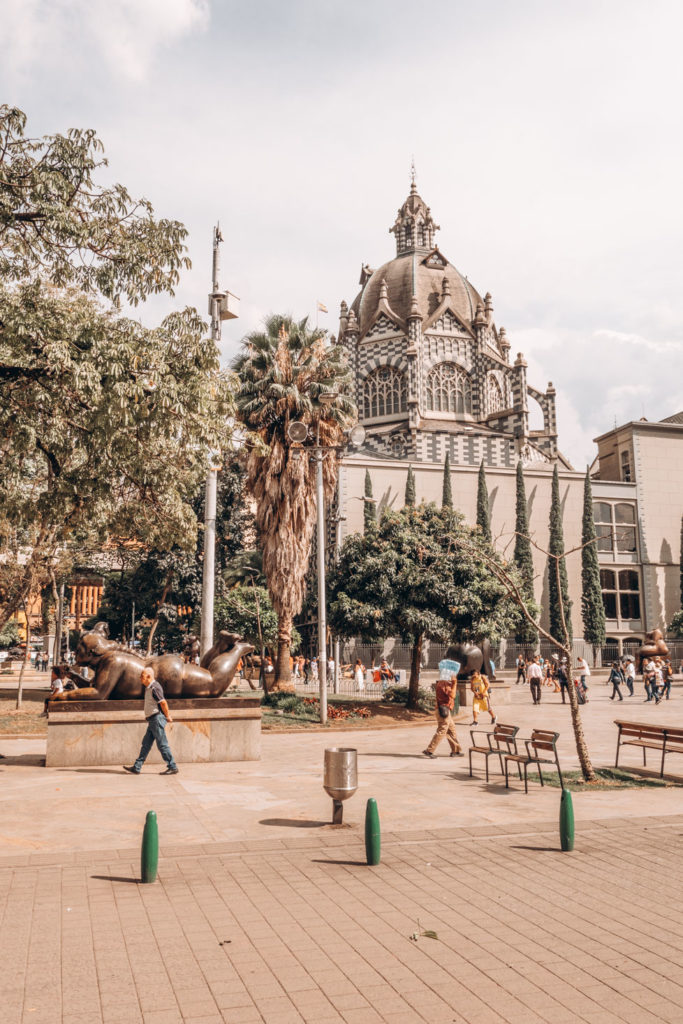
(547, 139)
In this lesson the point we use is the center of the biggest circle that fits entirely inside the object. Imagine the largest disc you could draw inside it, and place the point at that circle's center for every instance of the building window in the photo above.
(626, 467)
(495, 400)
(384, 393)
(620, 593)
(448, 389)
(615, 526)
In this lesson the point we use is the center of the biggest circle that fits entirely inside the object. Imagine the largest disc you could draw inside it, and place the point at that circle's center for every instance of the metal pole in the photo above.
(337, 549)
(322, 617)
(208, 575)
(132, 627)
(57, 650)
(209, 564)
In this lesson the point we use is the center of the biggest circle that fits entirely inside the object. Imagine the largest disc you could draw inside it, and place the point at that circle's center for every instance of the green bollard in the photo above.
(149, 859)
(372, 833)
(566, 821)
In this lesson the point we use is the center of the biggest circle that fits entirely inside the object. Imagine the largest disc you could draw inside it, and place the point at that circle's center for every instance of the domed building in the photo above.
(432, 369)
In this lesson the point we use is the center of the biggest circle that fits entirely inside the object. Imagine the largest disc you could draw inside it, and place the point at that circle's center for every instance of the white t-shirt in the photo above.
(583, 666)
(57, 686)
(534, 671)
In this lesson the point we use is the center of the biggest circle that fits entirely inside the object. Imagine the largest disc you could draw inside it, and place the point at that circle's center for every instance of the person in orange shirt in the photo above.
(445, 726)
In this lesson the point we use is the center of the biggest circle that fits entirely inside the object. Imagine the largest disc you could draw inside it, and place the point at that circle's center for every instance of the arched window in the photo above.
(495, 399)
(384, 392)
(448, 389)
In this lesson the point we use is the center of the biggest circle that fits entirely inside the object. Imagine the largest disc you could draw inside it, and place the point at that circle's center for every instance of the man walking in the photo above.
(521, 665)
(445, 701)
(563, 679)
(534, 676)
(157, 715)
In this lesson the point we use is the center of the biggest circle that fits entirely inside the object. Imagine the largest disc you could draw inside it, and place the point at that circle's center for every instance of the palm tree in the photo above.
(283, 371)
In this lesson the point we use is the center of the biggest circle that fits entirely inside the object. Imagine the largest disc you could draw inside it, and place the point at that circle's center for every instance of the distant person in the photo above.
(616, 678)
(314, 670)
(650, 682)
(445, 726)
(359, 675)
(156, 715)
(386, 674)
(481, 697)
(563, 679)
(534, 675)
(584, 674)
(56, 686)
(667, 676)
(521, 669)
(629, 670)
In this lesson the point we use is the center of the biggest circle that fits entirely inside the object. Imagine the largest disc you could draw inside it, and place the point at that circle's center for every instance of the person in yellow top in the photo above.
(481, 696)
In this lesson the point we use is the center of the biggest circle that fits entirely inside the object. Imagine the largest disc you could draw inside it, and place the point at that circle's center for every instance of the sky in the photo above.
(546, 137)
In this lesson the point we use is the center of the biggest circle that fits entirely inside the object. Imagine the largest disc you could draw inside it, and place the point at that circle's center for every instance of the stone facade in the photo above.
(432, 370)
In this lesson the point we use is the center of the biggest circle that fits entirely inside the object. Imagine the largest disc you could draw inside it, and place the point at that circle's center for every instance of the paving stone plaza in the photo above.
(264, 912)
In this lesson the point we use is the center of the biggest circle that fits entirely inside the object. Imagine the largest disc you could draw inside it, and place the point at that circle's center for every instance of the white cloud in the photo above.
(125, 34)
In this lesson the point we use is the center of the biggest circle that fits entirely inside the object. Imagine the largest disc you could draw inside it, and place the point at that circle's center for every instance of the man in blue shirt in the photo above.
(157, 715)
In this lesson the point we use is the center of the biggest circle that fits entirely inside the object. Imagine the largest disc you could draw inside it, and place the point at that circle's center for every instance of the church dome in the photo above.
(419, 279)
(420, 274)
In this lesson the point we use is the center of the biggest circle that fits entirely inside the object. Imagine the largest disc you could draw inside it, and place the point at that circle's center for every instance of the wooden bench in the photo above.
(665, 738)
(501, 741)
(540, 744)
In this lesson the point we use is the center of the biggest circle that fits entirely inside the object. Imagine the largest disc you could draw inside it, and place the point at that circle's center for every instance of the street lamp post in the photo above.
(222, 306)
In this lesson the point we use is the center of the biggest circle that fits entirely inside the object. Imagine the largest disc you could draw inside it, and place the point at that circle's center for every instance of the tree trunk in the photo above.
(155, 623)
(283, 671)
(414, 682)
(577, 725)
(26, 661)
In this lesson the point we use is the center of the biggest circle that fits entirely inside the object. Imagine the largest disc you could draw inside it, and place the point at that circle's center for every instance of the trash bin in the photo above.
(340, 778)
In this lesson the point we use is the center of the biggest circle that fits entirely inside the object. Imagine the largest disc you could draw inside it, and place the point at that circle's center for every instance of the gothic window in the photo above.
(420, 234)
(495, 399)
(448, 389)
(384, 392)
(409, 236)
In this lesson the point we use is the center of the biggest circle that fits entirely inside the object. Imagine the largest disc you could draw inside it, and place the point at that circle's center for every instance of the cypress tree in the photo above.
(483, 513)
(447, 494)
(555, 554)
(523, 559)
(410, 487)
(592, 607)
(369, 506)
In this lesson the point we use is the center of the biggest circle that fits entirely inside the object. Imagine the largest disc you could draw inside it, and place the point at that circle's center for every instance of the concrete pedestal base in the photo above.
(500, 693)
(110, 731)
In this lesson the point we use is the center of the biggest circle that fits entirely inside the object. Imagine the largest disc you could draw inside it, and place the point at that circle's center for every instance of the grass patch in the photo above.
(608, 778)
(426, 700)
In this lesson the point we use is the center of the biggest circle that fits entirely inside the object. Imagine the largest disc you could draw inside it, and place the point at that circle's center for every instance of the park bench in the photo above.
(664, 738)
(501, 741)
(539, 746)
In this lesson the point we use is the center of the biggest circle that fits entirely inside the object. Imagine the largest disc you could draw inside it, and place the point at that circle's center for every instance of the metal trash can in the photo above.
(340, 778)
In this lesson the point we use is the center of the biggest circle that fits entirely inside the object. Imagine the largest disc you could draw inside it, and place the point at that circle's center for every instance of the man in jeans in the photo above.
(445, 701)
(157, 715)
(534, 676)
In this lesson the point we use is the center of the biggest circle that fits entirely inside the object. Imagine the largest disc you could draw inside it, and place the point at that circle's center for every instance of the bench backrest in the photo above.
(503, 737)
(643, 732)
(543, 740)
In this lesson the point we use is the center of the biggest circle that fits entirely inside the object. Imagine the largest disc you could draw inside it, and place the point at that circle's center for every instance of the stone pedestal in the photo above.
(103, 732)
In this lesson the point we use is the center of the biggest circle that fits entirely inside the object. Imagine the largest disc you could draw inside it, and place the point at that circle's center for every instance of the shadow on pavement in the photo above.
(539, 849)
(33, 760)
(344, 863)
(95, 771)
(116, 878)
(293, 823)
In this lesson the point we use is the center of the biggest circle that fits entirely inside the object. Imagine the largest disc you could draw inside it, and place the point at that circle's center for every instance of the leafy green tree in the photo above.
(410, 495)
(243, 609)
(592, 607)
(369, 506)
(483, 511)
(105, 424)
(10, 635)
(523, 559)
(447, 493)
(559, 605)
(418, 577)
(283, 371)
(676, 627)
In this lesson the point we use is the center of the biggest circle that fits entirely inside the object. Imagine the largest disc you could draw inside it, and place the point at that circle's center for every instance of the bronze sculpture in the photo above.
(653, 646)
(472, 659)
(117, 669)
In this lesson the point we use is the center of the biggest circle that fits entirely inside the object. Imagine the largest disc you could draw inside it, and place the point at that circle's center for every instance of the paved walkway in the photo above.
(263, 912)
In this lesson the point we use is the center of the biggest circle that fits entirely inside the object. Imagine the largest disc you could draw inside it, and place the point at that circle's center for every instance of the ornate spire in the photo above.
(414, 227)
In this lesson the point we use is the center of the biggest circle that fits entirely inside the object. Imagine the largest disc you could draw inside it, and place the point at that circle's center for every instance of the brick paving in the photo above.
(302, 930)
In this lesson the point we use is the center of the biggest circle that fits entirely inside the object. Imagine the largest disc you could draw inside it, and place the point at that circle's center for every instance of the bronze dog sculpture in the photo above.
(117, 670)
(653, 646)
(472, 659)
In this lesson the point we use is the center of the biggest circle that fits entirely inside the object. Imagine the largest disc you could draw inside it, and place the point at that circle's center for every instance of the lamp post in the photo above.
(297, 433)
(222, 306)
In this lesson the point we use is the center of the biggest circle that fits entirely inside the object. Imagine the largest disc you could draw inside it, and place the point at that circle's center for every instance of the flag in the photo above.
(321, 307)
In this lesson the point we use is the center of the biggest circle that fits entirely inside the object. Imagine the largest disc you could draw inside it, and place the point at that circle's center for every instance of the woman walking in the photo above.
(481, 700)
(616, 678)
(359, 675)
